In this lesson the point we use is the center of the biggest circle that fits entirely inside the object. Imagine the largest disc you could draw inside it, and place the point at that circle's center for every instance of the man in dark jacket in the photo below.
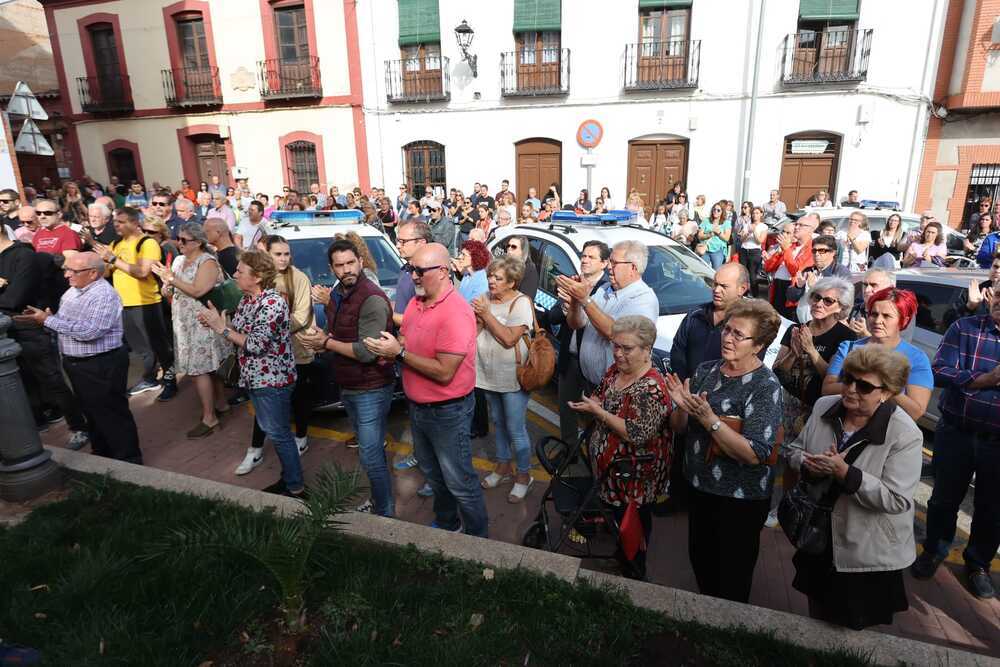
(22, 285)
(594, 260)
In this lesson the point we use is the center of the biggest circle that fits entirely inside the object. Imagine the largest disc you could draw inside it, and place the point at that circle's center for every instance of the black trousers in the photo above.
(101, 383)
(302, 404)
(751, 259)
(779, 293)
(43, 378)
(723, 542)
(147, 334)
(480, 415)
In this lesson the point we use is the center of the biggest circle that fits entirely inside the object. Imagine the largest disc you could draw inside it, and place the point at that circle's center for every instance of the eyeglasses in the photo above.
(737, 336)
(401, 241)
(45, 213)
(159, 203)
(624, 349)
(827, 301)
(184, 241)
(615, 263)
(419, 271)
(863, 387)
(77, 271)
(821, 251)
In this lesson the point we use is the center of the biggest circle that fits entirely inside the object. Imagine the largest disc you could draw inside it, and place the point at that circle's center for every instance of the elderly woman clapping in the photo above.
(731, 410)
(632, 409)
(867, 450)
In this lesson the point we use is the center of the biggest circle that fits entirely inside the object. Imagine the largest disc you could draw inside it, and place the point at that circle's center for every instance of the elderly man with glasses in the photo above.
(89, 327)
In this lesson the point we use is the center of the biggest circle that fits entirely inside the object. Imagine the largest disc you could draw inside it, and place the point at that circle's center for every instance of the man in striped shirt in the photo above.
(89, 326)
(967, 367)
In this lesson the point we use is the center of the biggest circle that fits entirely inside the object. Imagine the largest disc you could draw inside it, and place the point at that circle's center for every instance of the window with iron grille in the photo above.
(425, 166)
(302, 166)
(984, 182)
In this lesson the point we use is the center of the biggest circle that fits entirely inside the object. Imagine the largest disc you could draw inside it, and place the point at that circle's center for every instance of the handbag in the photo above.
(225, 296)
(538, 369)
(806, 519)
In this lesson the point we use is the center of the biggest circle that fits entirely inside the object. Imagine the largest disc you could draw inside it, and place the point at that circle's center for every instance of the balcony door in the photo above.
(421, 70)
(663, 44)
(822, 49)
(538, 56)
(196, 79)
(293, 69)
(106, 64)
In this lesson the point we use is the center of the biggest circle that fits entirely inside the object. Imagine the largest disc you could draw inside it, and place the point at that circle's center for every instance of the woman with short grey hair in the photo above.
(198, 351)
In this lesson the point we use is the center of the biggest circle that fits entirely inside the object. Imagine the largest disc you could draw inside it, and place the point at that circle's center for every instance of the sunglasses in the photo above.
(419, 271)
(863, 387)
(151, 231)
(45, 213)
(821, 251)
(159, 203)
(827, 301)
(512, 246)
(6, 201)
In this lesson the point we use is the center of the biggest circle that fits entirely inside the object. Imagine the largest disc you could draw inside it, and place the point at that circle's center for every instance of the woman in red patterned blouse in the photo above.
(632, 411)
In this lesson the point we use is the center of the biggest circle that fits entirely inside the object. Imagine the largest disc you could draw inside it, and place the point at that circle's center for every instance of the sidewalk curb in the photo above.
(672, 603)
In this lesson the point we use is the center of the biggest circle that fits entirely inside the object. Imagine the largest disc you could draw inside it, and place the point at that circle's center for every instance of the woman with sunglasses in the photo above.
(889, 312)
(715, 232)
(857, 581)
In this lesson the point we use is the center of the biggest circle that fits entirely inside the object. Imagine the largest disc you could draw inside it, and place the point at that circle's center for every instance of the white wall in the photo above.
(479, 134)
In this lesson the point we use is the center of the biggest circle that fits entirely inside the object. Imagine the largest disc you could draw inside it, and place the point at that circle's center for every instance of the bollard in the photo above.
(26, 468)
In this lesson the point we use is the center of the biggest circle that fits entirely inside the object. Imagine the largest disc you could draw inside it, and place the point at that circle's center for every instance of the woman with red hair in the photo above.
(471, 264)
(889, 313)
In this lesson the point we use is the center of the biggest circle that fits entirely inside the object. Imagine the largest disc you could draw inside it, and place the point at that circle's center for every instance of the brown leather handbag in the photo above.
(538, 369)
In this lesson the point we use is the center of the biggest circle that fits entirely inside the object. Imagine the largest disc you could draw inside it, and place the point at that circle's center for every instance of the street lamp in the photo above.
(464, 34)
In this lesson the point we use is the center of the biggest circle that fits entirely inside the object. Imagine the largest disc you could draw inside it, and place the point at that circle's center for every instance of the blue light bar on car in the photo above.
(349, 216)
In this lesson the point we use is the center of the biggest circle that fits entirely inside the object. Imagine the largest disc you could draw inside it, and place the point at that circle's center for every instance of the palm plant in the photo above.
(286, 549)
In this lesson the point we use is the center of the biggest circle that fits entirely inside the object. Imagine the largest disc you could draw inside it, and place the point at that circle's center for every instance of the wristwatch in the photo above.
(225, 332)
(716, 425)
(401, 354)
(589, 300)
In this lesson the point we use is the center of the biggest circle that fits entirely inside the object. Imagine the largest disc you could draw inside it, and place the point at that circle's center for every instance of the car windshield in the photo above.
(309, 256)
(681, 280)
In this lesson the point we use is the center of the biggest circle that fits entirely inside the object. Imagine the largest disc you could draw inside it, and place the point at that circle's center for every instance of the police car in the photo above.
(309, 234)
(681, 280)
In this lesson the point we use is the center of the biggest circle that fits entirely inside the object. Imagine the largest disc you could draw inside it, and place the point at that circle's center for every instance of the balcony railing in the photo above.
(191, 86)
(534, 72)
(666, 65)
(418, 79)
(832, 56)
(105, 94)
(282, 79)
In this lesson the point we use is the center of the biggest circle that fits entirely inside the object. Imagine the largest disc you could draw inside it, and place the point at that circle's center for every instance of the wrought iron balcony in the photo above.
(283, 79)
(666, 65)
(424, 79)
(191, 86)
(105, 94)
(534, 72)
(838, 55)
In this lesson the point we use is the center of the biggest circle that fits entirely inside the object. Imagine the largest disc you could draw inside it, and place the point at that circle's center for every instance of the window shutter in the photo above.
(664, 4)
(828, 10)
(419, 22)
(537, 15)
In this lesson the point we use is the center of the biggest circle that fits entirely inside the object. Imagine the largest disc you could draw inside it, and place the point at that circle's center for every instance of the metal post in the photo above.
(748, 153)
(26, 468)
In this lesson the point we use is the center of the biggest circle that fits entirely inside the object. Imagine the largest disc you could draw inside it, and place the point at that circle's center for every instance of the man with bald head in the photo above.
(89, 327)
(27, 224)
(437, 351)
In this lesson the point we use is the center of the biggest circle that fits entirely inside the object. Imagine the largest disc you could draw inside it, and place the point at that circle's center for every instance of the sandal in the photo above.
(201, 430)
(519, 491)
(493, 480)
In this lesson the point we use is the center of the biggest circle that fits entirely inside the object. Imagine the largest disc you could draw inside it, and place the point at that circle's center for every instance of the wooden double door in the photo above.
(653, 168)
(808, 165)
(211, 155)
(539, 165)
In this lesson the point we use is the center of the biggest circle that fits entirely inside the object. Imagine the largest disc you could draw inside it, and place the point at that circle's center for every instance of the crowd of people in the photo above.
(199, 285)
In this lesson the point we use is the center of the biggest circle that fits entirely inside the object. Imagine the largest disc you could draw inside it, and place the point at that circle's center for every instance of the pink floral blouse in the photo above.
(266, 359)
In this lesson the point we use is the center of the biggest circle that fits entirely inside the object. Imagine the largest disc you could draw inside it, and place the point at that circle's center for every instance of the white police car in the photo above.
(681, 280)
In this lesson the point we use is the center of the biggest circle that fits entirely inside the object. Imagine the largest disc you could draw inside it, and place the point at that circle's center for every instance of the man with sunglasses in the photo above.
(54, 236)
(825, 265)
(9, 203)
(967, 444)
(437, 352)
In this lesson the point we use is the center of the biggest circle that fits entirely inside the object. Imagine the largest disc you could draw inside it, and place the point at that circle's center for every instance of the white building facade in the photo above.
(843, 92)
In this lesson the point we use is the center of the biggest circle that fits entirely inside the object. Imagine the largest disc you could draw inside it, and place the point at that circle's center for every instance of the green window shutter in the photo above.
(537, 16)
(828, 10)
(664, 4)
(419, 22)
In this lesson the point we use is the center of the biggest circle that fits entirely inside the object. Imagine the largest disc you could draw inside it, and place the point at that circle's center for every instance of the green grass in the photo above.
(370, 605)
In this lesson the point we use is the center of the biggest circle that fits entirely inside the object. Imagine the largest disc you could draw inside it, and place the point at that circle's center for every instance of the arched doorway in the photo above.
(539, 164)
(654, 165)
(808, 164)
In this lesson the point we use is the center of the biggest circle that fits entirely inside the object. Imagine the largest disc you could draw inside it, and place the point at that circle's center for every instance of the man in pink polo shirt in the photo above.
(437, 350)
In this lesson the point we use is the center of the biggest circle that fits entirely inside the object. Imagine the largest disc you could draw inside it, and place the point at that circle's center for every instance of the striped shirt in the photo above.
(89, 320)
(970, 347)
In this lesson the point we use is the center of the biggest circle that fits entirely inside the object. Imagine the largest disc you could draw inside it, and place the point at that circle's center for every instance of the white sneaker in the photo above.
(367, 507)
(772, 519)
(303, 444)
(254, 457)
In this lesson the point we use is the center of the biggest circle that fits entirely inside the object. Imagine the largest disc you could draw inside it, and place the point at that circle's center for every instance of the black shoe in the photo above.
(52, 416)
(279, 489)
(238, 398)
(926, 565)
(980, 583)
(169, 391)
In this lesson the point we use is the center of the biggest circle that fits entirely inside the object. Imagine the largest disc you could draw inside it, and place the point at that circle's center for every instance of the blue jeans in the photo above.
(369, 413)
(716, 258)
(441, 445)
(273, 409)
(957, 455)
(509, 411)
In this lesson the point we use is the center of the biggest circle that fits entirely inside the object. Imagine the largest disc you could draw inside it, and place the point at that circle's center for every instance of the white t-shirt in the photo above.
(751, 241)
(496, 366)
(850, 257)
(252, 233)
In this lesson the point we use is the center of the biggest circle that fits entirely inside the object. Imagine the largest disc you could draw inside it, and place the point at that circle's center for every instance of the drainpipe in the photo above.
(748, 153)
